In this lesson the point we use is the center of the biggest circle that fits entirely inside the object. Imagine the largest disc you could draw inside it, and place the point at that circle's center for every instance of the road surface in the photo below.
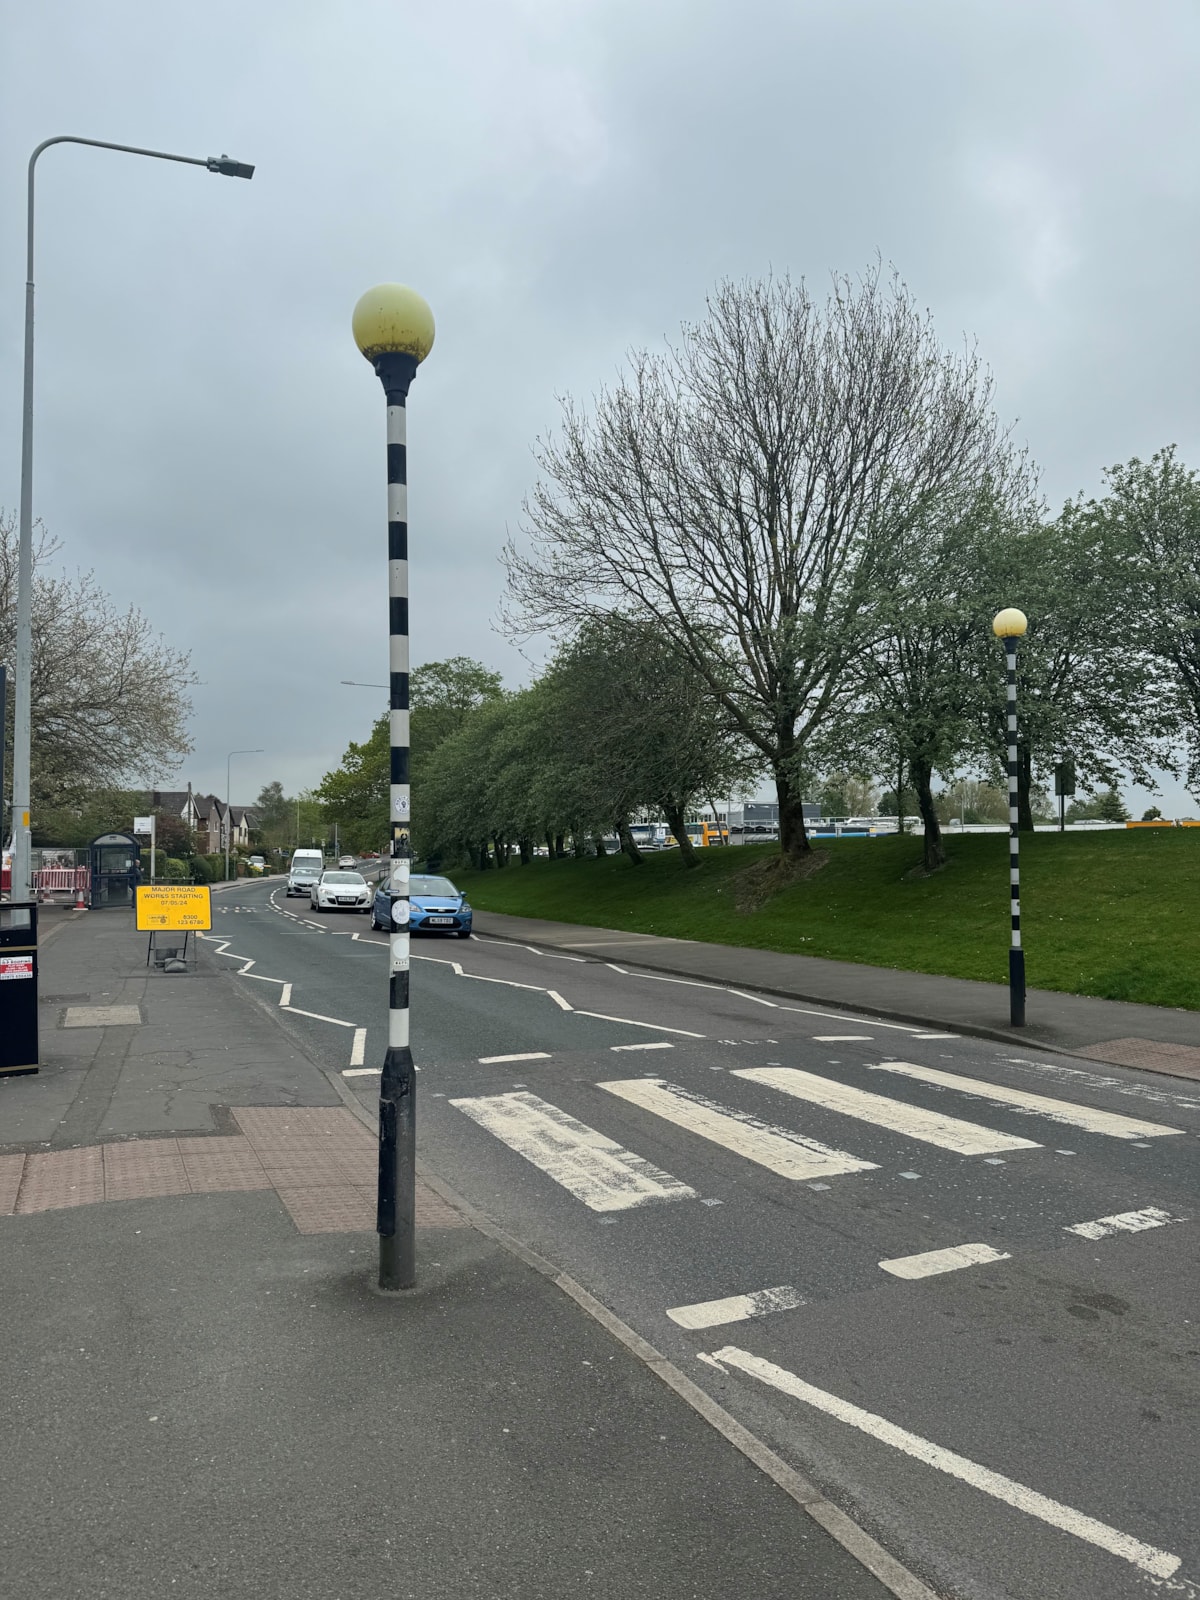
(953, 1284)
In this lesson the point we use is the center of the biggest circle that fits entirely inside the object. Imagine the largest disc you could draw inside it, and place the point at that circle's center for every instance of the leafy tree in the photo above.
(1106, 806)
(843, 794)
(110, 697)
(355, 795)
(1153, 815)
(739, 489)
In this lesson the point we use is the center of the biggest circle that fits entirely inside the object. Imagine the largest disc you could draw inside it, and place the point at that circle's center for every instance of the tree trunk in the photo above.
(550, 846)
(501, 848)
(578, 847)
(921, 775)
(900, 796)
(601, 847)
(474, 858)
(793, 836)
(1024, 786)
(560, 847)
(525, 846)
(677, 822)
(628, 842)
(485, 860)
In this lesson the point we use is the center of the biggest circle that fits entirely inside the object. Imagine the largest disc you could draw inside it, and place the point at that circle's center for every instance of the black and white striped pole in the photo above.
(393, 327)
(1010, 625)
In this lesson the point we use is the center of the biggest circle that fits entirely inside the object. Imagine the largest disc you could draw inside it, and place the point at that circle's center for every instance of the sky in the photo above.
(563, 180)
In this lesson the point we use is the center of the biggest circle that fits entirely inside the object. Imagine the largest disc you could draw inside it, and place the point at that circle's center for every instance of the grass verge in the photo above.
(1109, 914)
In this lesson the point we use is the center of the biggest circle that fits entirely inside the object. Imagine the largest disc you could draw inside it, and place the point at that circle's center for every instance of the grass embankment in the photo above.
(1109, 914)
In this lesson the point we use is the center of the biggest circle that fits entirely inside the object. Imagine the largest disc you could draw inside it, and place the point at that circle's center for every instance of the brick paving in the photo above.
(1153, 1055)
(321, 1161)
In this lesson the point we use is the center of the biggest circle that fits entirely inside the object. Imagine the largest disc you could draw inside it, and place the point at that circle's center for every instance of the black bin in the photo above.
(18, 988)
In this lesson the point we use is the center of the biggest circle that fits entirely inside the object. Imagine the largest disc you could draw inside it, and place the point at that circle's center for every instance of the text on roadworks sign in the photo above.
(16, 967)
(173, 909)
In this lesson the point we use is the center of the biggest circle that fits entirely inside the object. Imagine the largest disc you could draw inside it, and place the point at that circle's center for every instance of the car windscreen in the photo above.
(309, 867)
(355, 878)
(433, 886)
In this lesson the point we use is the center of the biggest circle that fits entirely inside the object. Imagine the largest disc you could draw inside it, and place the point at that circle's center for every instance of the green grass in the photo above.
(1109, 914)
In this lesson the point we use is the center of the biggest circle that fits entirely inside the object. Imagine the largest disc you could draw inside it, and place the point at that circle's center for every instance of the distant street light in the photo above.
(228, 820)
(393, 327)
(1010, 626)
(22, 719)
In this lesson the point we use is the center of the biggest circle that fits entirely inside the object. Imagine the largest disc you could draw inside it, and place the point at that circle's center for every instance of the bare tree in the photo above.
(110, 698)
(739, 488)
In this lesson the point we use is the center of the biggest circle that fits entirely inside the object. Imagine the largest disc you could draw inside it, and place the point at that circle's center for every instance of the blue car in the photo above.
(435, 906)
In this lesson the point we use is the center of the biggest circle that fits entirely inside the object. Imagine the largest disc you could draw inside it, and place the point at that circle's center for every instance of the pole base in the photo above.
(1016, 988)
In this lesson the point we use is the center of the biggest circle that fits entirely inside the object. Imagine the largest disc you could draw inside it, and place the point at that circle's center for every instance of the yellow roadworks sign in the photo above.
(174, 908)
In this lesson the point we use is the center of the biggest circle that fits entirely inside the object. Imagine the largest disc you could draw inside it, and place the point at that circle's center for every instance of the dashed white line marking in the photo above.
(840, 1038)
(1158, 1563)
(564, 1005)
(318, 1017)
(948, 1133)
(1123, 1222)
(629, 1022)
(359, 1048)
(778, 1149)
(285, 996)
(527, 1055)
(931, 1262)
(592, 1167)
(736, 1308)
(935, 1036)
(366, 1072)
(657, 1044)
(1086, 1117)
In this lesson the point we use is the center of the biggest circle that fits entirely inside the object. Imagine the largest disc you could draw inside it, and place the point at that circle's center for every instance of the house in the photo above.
(179, 803)
(214, 820)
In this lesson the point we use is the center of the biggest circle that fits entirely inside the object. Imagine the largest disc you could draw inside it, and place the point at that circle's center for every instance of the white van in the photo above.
(307, 866)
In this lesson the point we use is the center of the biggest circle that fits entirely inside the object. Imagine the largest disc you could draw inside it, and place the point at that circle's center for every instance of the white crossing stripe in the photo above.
(358, 1049)
(657, 1044)
(1159, 1563)
(528, 1055)
(967, 1138)
(594, 1168)
(1123, 1222)
(840, 1038)
(1086, 1117)
(361, 1072)
(935, 1036)
(778, 1149)
(737, 1308)
(931, 1262)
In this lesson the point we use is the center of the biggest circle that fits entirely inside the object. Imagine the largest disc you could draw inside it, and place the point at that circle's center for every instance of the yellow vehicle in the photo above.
(703, 834)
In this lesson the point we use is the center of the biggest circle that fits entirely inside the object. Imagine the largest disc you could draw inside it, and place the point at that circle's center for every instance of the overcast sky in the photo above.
(562, 179)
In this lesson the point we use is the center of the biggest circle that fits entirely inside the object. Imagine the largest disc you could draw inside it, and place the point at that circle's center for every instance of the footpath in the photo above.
(205, 1394)
(1153, 1038)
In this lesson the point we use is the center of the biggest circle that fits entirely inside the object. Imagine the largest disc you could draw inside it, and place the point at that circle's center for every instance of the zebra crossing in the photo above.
(607, 1177)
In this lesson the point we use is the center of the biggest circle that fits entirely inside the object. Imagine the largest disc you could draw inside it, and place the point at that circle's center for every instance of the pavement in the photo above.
(1154, 1038)
(206, 1395)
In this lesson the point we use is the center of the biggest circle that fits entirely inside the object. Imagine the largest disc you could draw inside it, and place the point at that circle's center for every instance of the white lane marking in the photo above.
(935, 1036)
(1159, 1563)
(318, 1017)
(1123, 1222)
(657, 1044)
(591, 1166)
(1097, 1080)
(839, 1038)
(1086, 1117)
(931, 1262)
(737, 1308)
(285, 996)
(527, 1055)
(358, 1049)
(631, 1023)
(832, 1016)
(564, 1005)
(778, 1149)
(361, 1072)
(914, 1122)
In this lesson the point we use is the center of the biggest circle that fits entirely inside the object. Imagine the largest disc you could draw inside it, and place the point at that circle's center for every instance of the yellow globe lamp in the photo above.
(392, 319)
(1009, 623)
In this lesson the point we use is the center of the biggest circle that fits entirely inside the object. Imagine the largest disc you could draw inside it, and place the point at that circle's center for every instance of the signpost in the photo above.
(148, 825)
(171, 908)
(1064, 784)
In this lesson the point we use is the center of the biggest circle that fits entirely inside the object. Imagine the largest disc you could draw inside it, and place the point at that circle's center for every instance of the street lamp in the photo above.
(393, 327)
(228, 829)
(22, 718)
(1010, 625)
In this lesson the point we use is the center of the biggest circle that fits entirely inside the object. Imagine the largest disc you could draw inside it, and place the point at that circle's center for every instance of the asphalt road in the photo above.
(1018, 1418)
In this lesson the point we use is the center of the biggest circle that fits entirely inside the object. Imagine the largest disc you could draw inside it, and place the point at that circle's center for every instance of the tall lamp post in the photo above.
(1009, 625)
(22, 717)
(393, 327)
(228, 819)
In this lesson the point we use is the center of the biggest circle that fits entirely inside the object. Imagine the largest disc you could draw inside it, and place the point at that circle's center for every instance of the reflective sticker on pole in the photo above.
(401, 805)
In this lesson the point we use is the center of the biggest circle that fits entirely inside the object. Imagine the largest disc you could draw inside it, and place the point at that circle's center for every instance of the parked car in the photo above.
(347, 863)
(340, 891)
(435, 906)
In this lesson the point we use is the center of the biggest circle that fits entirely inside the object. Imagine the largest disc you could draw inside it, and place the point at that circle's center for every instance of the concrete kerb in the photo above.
(841, 1527)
